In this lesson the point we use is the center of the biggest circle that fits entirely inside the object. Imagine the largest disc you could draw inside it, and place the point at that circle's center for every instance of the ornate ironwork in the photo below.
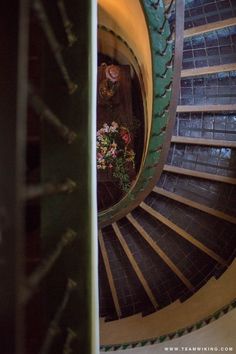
(35, 278)
(55, 46)
(71, 335)
(46, 114)
(42, 190)
(71, 37)
(54, 328)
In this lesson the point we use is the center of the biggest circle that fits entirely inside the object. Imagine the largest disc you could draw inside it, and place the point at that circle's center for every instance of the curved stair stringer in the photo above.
(173, 318)
(163, 107)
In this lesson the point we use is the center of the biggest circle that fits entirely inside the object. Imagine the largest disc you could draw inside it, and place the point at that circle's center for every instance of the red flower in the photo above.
(125, 135)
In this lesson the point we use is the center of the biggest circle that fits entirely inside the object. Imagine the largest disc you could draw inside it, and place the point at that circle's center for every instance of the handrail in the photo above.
(161, 131)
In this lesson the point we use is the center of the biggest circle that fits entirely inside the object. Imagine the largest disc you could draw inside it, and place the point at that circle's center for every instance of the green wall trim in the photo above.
(179, 333)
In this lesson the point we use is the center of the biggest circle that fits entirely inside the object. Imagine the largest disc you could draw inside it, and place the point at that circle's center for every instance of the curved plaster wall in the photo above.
(126, 19)
(210, 298)
(219, 336)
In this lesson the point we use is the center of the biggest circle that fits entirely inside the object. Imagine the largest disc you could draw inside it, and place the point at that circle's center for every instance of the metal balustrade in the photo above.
(37, 191)
(71, 335)
(71, 37)
(40, 273)
(46, 114)
(27, 284)
(54, 328)
(54, 44)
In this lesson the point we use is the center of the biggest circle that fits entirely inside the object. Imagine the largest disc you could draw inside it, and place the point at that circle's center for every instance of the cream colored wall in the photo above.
(109, 44)
(210, 298)
(126, 18)
(219, 335)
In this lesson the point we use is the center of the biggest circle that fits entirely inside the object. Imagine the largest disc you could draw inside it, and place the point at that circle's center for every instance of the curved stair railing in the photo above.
(49, 296)
(166, 86)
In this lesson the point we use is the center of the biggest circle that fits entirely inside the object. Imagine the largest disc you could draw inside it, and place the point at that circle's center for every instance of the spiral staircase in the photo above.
(173, 233)
(181, 233)
(184, 205)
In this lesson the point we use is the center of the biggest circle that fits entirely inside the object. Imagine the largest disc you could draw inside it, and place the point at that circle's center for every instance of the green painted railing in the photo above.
(163, 107)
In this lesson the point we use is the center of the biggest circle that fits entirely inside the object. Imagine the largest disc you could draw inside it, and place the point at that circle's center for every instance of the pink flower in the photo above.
(99, 155)
(105, 128)
(113, 152)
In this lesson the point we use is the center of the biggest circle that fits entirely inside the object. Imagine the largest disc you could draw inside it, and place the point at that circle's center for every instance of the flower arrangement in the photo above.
(114, 152)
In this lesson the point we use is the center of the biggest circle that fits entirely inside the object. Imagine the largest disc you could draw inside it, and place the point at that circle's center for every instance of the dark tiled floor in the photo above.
(218, 161)
(216, 195)
(131, 296)
(220, 126)
(212, 48)
(216, 234)
(106, 305)
(193, 263)
(163, 282)
(201, 12)
(211, 89)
